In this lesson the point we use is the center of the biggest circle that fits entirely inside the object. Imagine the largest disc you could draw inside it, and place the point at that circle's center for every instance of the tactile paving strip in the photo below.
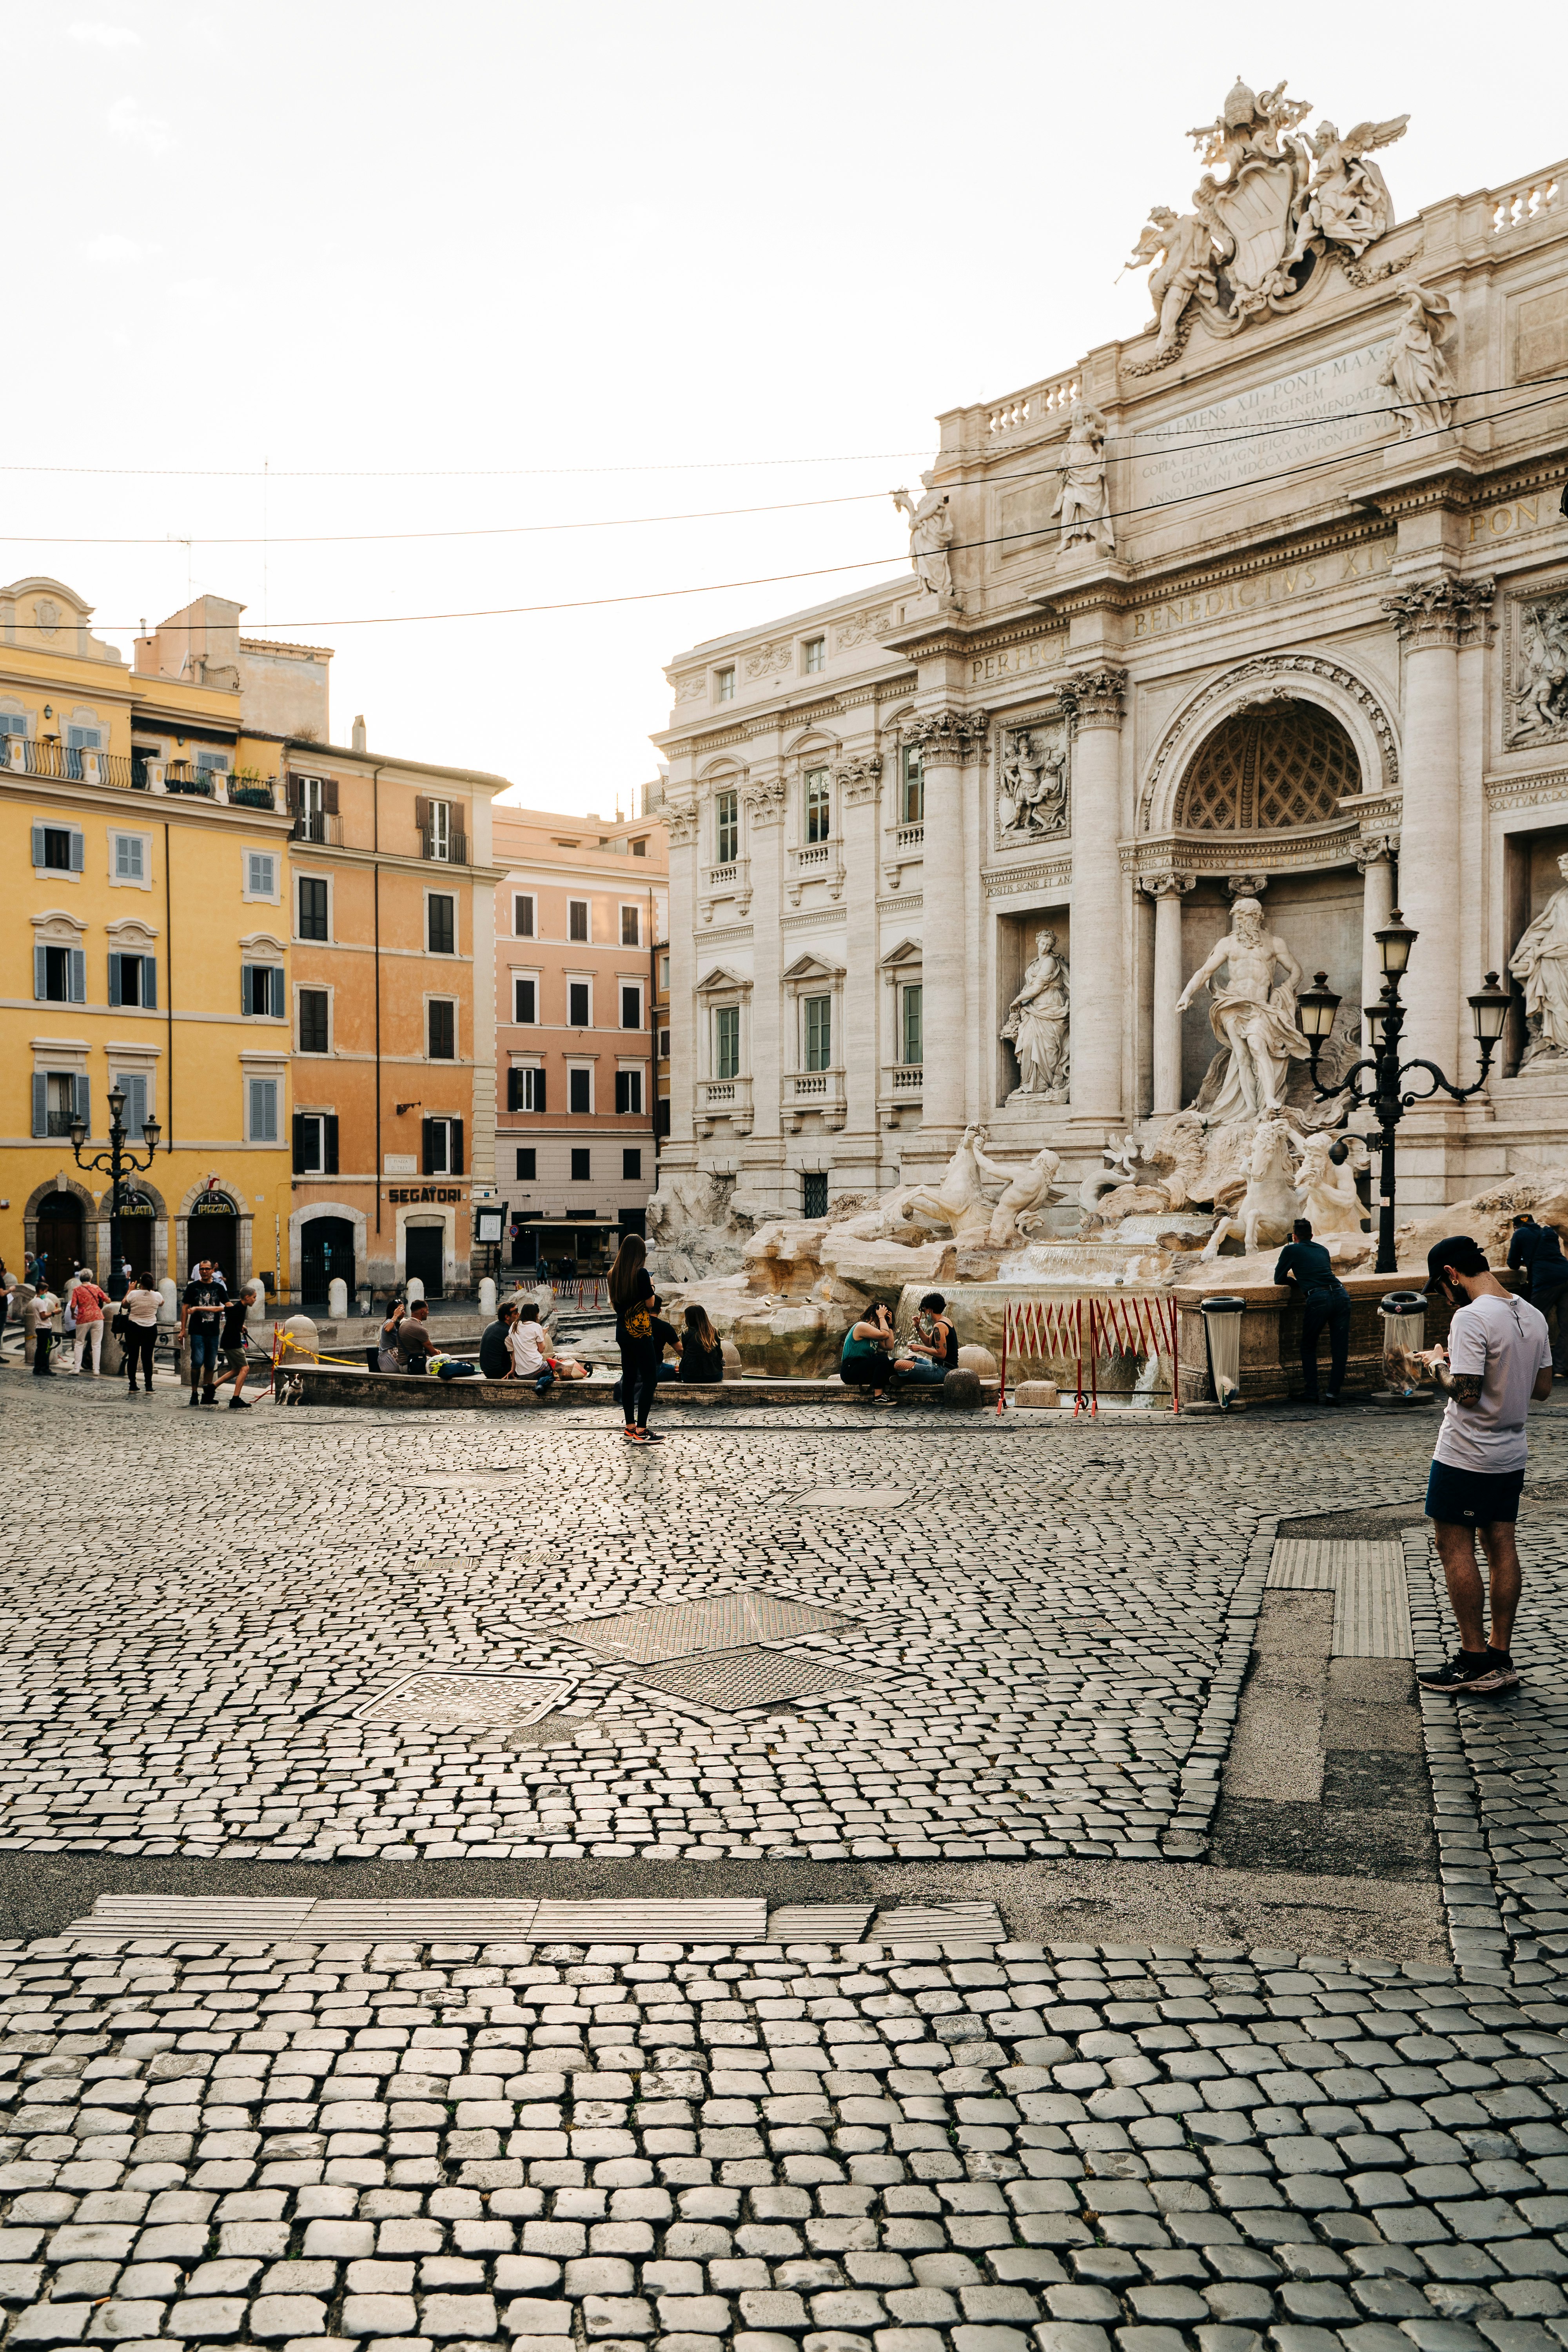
(433, 1699)
(720, 1621)
(1372, 1604)
(731, 1679)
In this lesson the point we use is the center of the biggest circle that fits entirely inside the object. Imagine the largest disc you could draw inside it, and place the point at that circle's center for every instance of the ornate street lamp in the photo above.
(1384, 1095)
(116, 1164)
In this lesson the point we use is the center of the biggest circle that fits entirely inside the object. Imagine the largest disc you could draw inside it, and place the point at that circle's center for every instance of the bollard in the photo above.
(486, 1298)
(337, 1299)
(960, 1391)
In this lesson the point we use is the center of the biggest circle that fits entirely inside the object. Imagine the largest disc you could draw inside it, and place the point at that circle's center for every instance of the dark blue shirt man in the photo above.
(1537, 1249)
(1305, 1266)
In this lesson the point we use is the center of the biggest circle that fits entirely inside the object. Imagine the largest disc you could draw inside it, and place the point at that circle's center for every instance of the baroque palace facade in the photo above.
(1270, 603)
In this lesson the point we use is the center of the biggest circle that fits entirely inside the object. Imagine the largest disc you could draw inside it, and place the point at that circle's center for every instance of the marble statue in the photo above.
(1541, 699)
(1251, 1015)
(1540, 962)
(1347, 202)
(1328, 1189)
(930, 536)
(1034, 783)
(1271, 1201)
(1266, 177)
(1038, 1026)
(1416, 370)
(1025, 1194)
(1183, 245)
(1081, 501)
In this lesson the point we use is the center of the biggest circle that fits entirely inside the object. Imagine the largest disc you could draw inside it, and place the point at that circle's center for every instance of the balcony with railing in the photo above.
(730, 879)
(902, 844)
(444, 848)
(803, 1091)
(47, 756)
(901, 1089)
(722, 1099)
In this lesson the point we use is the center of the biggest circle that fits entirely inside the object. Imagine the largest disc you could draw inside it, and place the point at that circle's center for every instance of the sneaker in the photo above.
(1466, 1669)
(1508, 1674)
(652, 1437)
(209, 1396)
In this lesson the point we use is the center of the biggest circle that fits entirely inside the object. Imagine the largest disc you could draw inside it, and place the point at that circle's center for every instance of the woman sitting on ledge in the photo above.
(868, 1358)
(701, 1354)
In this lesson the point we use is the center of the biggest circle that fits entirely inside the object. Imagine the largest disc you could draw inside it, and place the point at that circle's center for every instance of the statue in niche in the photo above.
(930, 536)
(1034, 786)
(1415, 371)
(1347, 202)
(1081, 501)
(1252, 1016)
(1540, 962)
(1037, 1025)
(1540, 698)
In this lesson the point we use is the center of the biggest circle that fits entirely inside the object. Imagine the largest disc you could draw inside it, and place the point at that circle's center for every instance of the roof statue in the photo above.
(1272, 204)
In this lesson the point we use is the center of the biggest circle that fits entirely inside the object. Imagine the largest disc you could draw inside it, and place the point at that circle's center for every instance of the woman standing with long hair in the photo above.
(632, 1296)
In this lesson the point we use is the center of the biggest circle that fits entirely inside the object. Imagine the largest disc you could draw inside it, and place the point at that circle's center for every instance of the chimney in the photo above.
(356, 740)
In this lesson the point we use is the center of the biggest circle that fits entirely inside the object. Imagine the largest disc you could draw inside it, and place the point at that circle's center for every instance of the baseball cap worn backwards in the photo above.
(1465, 1256)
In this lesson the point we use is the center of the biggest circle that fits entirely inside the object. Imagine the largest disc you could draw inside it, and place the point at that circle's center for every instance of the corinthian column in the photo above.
(1433, 621)
(1167, 890)
(946, 740)
(1093, 703)
(859, 783)
(681, 825)
(1375, 859)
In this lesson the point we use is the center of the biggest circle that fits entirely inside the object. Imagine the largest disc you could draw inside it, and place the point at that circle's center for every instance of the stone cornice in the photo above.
(1011, 881)
(1229, 853)
(910, 906)
(1533, 790)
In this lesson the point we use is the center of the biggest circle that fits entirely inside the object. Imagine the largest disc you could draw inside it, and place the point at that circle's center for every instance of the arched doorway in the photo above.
(59, 1243)
(138, 1230)
(212, 1231)
(326, 1252)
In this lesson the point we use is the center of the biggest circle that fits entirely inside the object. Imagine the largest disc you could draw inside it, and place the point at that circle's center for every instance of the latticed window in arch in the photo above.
(1270, 771)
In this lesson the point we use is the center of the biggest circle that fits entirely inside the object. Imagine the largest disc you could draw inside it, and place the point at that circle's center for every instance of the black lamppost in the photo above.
(1385, 1020)
(117, 1163)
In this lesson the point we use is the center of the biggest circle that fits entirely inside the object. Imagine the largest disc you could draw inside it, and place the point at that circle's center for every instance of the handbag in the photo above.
(120, 1324)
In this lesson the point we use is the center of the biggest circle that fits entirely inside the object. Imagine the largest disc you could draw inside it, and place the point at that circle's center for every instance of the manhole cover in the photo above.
(725, 1621)
(853, 1498)
(731, 1679)
(434, 1699)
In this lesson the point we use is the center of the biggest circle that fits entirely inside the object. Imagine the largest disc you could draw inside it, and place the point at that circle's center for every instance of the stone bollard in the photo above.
(256, 1312)
(975, 1359)
(170, 1310)
(337, 1299)
(412, 1290)
(731, 1355)
(113, 1360)
(486, 1298)
(1036, 1396)
(960, 1391)
(302, 1330)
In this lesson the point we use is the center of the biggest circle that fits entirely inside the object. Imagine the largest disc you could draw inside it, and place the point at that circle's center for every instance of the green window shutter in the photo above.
(40, 1103)
(115, 986)
(298, 1143)
(78, 976)
(150, 982)
(456, 1151)
(78, 850)
(40, 977)
(83, 1102)
(38, 845)
(275, 991)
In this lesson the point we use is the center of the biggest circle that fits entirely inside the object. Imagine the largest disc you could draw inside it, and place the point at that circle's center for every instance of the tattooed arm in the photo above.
(1465, 1388)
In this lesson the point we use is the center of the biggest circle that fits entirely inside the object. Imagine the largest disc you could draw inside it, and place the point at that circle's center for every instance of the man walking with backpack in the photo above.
(1498, 1357)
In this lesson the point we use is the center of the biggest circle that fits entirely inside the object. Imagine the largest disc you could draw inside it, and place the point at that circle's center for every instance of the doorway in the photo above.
(422, 1250)
(214, 1234)
(326, 1254)
(59, 1238)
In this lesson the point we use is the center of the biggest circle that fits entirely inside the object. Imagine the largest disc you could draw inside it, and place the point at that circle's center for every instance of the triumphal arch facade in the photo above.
(1259, 620)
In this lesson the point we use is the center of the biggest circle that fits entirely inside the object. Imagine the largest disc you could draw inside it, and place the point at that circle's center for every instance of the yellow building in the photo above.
(145, 848)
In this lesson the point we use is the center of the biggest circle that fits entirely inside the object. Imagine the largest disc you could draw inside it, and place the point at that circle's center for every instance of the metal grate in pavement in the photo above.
(1372, 1604)
(732, 1679)
(720, 1621)
(434, 1699)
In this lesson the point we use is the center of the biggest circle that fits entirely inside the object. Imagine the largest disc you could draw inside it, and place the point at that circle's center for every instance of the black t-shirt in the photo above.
(1312, 1265)
(697, 1363)
(1539, 1249)
(234, 1322)
(495, 1359)
(203, 1301)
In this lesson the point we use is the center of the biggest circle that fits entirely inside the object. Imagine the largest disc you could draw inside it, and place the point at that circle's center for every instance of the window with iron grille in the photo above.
(818, 811)
(813, 1192)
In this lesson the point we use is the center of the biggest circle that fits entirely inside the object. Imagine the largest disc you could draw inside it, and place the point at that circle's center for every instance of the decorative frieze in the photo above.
(764, 798)
(1050, 873)
(1528, 792)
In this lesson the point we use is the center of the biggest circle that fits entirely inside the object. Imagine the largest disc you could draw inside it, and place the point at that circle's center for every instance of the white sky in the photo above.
(572, 265)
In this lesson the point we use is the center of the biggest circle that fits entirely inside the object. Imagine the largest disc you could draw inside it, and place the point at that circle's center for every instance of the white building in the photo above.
(1276, 604)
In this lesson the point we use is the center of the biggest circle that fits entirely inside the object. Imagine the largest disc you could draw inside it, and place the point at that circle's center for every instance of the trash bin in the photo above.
(1403, 1314)
(1221, 1334)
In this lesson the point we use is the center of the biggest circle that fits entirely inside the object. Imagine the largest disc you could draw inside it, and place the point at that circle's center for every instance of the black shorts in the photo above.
(1473, 1498)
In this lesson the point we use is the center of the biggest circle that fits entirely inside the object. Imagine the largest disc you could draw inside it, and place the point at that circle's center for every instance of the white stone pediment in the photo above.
(55, 927)
(131, 933)
(263, 942)
(810, 967)
(721, 982)
(908, 952)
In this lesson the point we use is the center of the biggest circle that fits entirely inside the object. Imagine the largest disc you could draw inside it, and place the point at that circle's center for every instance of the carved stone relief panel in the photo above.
(1535, 658)
(1032, 770)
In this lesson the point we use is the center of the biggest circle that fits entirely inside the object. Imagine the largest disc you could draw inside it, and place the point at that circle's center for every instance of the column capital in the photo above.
(948, 738)
(764, 798)
(680, 822)
(1246, 886)
(1093, 698)
(860, 778)
(1377, 849)
(1441, 613)
(1175, 884)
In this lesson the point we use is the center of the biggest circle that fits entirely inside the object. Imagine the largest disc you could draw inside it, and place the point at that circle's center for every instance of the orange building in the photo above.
(581, 909)
(370, 952)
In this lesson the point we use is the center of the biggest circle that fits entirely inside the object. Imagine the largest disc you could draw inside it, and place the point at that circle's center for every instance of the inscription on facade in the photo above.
(1315, 413)
(1017, 661)
(1520, 514)
(1263, 589)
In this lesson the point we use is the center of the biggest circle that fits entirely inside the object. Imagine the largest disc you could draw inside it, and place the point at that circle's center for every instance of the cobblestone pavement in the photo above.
(1045, 1631)
(1012, 2149)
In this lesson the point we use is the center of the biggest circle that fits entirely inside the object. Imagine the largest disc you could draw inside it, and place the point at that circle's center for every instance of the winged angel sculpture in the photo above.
(1271, 201)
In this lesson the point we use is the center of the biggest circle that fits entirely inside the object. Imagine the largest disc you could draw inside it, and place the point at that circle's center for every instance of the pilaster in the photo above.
(1093, 701)
(764, 797)
(948, 740)
(1167, 890)
(859, 782)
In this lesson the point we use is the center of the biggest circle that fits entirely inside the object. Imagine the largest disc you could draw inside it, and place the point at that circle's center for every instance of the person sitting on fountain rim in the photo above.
(1499, 1358)
(934, 1344)
(1306, 1267)
(868, 1358)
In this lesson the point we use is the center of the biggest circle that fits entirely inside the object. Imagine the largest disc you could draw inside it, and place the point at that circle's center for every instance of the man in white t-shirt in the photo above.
(1498, 1358)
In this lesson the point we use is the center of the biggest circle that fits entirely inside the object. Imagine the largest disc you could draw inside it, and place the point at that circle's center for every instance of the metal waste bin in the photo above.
(1403, 1314)
(1222, 1335)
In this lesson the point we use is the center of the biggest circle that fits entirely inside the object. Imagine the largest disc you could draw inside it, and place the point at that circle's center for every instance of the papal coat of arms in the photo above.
(1270, 204)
